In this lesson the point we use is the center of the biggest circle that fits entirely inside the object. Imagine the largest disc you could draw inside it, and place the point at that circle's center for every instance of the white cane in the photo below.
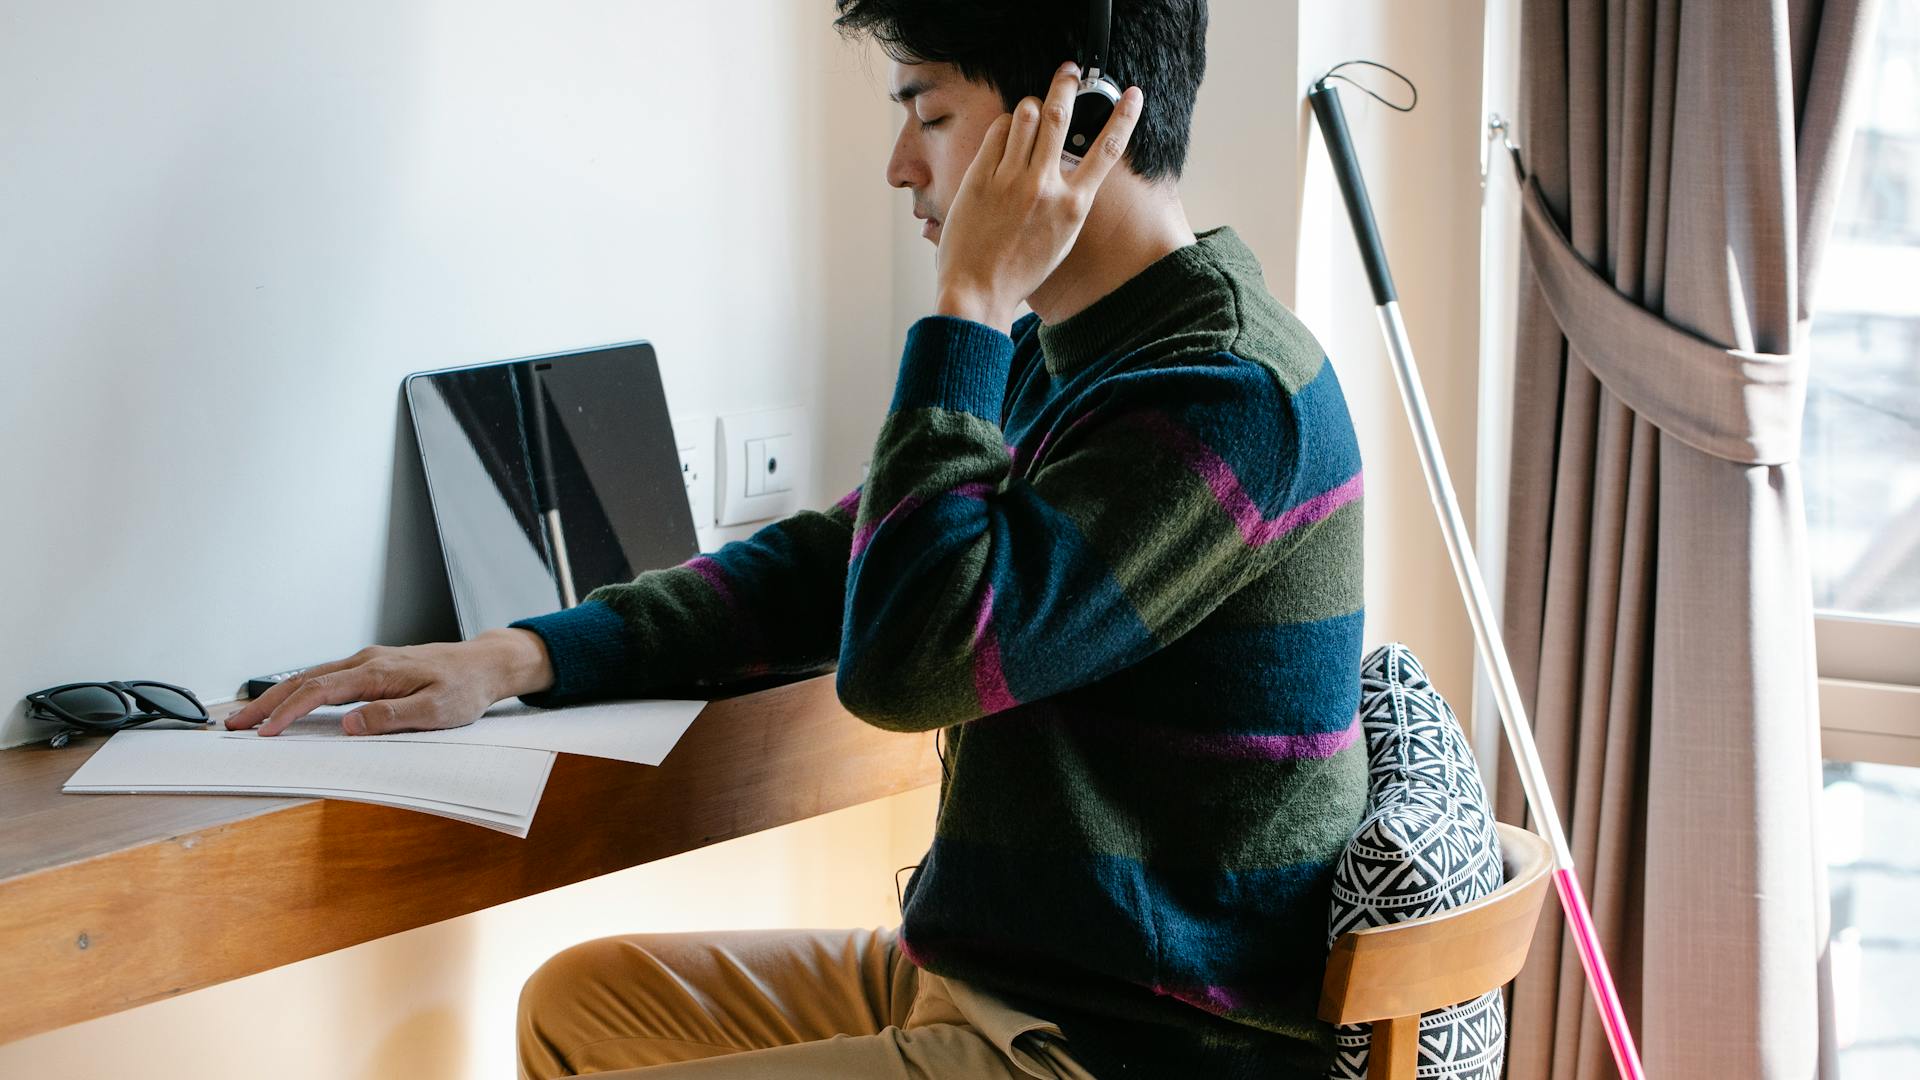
(1473, 589)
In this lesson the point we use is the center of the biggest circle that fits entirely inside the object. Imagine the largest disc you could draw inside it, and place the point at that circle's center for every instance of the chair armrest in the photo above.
(1412, 967)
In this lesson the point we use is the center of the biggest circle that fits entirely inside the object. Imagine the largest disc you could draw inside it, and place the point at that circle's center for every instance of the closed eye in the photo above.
(935, 122)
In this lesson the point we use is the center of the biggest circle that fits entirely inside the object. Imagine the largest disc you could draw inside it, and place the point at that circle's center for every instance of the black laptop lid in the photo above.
(550, 476)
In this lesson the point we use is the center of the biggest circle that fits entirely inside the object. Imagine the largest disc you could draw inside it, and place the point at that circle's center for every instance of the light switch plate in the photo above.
(693, 434)
(762, 463)
(756, 467)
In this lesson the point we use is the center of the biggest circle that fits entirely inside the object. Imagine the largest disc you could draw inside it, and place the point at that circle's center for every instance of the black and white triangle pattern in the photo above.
(1426, 844)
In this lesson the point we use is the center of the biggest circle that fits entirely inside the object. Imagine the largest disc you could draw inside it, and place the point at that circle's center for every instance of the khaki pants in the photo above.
(781, 1004)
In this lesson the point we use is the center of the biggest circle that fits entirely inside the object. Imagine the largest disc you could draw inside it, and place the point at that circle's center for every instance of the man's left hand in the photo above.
(1017, 213)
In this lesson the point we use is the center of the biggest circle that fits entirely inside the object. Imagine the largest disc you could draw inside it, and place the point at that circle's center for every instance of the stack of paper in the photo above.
(637, 731)
(495, 786)
(490, 772)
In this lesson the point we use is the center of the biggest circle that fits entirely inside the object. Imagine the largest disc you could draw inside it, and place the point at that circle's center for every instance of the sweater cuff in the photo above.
(588, 646)
(954, 364)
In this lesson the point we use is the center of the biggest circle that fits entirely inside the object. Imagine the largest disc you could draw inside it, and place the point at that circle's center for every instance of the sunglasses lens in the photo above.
(161, 699)
(94, 703)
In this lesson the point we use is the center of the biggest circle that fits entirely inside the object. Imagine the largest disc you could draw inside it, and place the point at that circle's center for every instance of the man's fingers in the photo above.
(253, 712)
(413, 713)
(993, 146)
(1026, 121)
(334, 688)
(1056, 115)
(1110, 145)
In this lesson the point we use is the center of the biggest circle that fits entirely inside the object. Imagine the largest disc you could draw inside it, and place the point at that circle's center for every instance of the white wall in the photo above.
(231, 229)
(1499, 322)
(1422, 169)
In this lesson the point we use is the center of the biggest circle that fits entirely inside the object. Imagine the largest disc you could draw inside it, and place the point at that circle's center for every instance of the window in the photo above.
(1862, 472)
(1872, 855)
(1863, 405)
(1862, 451)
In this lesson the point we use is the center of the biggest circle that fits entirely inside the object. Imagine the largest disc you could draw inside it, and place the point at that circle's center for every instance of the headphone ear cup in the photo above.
(1092, 106)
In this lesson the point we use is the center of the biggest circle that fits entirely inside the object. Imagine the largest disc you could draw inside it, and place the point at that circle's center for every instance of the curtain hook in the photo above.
(1498, 128)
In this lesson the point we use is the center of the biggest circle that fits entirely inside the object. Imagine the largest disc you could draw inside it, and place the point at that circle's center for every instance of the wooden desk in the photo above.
(112, 901)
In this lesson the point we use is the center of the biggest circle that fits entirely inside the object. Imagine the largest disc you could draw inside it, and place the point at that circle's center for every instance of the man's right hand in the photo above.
(409, 688)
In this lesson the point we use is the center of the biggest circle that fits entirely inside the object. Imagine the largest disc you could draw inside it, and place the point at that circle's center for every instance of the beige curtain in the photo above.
(1658, 608)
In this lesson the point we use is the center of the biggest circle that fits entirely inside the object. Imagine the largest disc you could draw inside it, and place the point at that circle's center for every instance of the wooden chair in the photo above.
(1388, 975)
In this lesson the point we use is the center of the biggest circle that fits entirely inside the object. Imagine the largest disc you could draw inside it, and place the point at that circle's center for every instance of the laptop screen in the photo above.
(550, 476)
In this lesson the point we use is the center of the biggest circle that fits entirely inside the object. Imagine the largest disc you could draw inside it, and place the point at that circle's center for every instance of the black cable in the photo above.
(1332, 73)
(940, 753)
(898, 895)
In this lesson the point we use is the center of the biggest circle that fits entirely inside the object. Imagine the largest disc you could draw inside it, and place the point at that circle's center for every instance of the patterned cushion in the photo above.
(1427, 843)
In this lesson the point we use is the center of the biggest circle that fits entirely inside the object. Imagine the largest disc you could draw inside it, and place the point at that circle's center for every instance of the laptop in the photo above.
(549, 477)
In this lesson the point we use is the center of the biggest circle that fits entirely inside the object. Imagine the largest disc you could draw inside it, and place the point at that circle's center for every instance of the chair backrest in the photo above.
(1389, 975)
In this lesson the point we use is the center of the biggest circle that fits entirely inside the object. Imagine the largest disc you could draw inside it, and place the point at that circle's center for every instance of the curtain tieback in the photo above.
(1741, 406)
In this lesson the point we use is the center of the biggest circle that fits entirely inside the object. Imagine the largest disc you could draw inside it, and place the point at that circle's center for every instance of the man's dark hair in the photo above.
(1015, 46)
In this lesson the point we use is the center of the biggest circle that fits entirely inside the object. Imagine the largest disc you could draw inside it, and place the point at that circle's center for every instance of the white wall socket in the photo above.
(693, 434)
(763, 461)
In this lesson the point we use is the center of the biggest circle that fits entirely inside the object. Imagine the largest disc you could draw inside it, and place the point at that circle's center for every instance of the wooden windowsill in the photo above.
(112, 901)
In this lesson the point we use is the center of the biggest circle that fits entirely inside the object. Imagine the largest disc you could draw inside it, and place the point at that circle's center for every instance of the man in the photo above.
(1110, 550)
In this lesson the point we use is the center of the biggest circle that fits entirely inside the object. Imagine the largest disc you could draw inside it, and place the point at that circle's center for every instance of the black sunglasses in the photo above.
(102, 708)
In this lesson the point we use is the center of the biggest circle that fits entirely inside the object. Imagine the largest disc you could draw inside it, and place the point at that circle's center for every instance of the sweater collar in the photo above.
(1124, 316)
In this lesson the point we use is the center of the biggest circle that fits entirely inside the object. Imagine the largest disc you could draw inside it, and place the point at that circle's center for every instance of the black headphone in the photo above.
(1098, 94)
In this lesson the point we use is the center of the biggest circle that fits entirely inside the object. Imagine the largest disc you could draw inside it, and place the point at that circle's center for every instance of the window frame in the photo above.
(1869, 688)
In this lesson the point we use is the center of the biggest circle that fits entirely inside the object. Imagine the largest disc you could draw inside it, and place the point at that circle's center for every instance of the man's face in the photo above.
(946, 117)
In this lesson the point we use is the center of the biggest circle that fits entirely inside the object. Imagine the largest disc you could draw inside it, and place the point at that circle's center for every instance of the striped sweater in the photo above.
(1117, 560)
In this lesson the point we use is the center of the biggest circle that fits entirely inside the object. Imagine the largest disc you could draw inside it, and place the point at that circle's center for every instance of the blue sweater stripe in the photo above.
(1277, 679)
(1207, 926)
